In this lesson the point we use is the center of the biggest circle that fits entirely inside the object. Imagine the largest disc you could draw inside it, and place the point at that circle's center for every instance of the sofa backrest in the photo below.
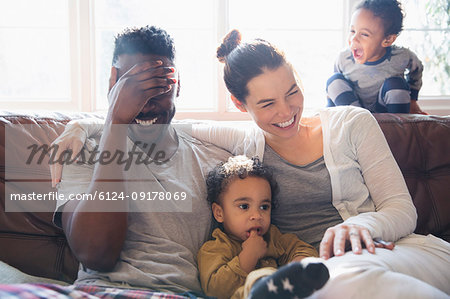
(421, 147)
(30, 242)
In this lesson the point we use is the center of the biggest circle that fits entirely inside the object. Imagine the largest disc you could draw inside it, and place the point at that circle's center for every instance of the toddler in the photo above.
(372, 73)
(240, 193)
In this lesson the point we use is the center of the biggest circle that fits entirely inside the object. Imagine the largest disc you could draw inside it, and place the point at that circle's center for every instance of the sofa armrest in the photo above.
(28, 240)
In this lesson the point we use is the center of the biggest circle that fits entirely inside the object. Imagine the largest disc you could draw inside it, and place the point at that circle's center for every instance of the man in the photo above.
(116, 243)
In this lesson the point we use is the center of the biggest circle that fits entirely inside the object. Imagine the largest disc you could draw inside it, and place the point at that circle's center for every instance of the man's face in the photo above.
(159, 109)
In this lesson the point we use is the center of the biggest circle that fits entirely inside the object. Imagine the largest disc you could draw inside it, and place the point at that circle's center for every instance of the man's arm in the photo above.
(96, 229)
(96, 238)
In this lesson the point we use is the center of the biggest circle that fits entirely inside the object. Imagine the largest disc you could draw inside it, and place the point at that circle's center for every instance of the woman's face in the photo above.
(275, 102)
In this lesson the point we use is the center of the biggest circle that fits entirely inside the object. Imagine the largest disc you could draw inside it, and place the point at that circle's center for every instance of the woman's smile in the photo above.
(287, 124)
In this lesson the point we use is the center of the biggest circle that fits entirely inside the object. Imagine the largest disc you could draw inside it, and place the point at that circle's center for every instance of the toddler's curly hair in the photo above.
(390, 11)
(237, 167)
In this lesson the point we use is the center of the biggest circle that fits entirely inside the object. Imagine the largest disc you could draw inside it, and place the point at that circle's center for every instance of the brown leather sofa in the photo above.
(30, 242)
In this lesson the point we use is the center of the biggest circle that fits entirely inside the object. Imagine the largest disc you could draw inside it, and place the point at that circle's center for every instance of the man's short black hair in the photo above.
(144, 40)
(390, 11)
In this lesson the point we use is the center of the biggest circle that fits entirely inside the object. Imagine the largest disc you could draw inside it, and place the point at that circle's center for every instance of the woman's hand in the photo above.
(337, 237)
(70, 141)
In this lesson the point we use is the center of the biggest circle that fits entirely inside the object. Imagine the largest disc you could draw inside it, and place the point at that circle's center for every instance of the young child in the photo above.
(371, 72)
(240, 193)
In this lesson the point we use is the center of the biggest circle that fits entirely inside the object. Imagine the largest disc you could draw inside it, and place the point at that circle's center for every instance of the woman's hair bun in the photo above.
(229, 43)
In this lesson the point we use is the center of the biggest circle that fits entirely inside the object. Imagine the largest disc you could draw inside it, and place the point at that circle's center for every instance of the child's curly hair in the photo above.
(237, 167)
(390, 11)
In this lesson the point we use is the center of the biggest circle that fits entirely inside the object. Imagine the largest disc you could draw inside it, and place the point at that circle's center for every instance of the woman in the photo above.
(339, 183)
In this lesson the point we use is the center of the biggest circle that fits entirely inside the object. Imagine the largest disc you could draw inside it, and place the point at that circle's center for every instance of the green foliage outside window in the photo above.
(436, 46)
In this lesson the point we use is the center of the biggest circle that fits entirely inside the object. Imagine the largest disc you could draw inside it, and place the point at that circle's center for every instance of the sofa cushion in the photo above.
(9, 275)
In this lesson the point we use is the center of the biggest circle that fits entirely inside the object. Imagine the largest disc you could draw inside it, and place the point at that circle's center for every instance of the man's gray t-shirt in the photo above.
(160, 250)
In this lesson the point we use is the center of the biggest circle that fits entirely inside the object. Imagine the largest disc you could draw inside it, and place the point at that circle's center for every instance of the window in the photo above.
(298, 28)
(426, 32)
(190, 23)
(35, 53)
(56, 54)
